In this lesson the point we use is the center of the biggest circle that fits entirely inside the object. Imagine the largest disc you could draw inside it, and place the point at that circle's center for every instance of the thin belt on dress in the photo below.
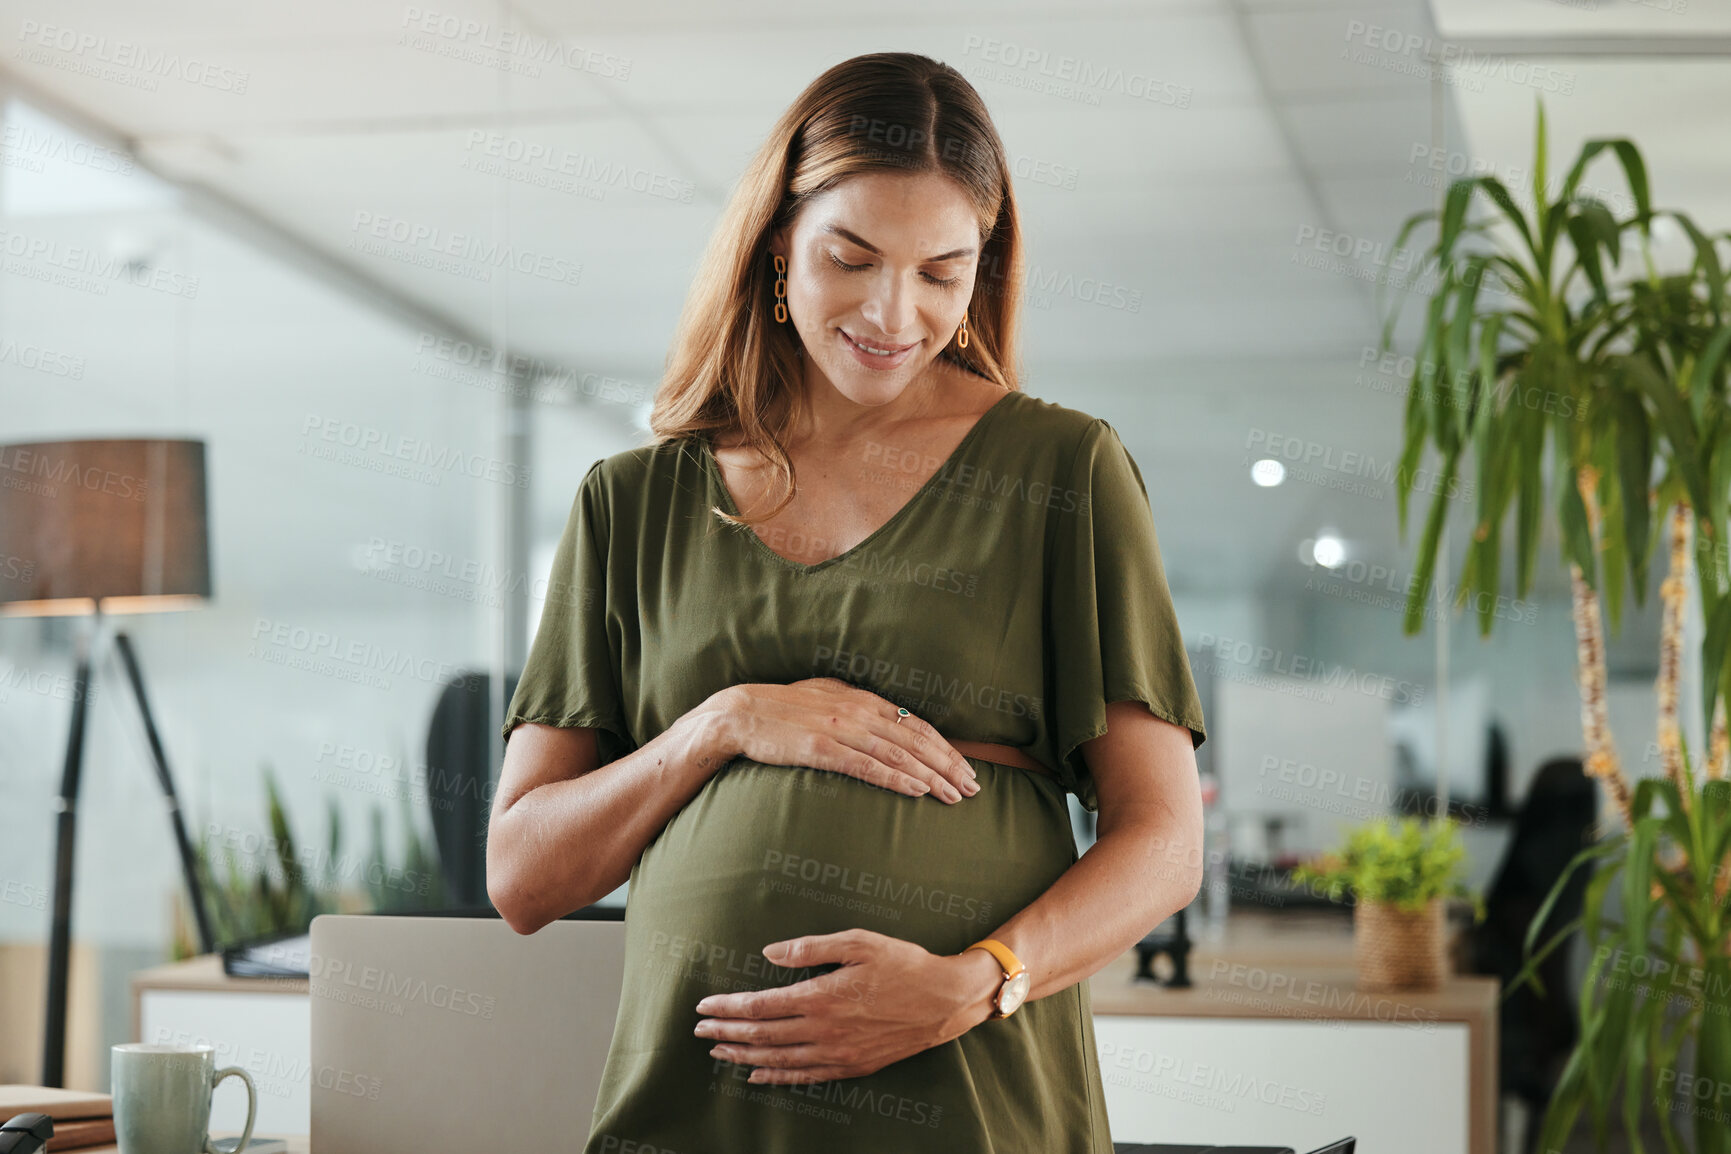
(1002, 754)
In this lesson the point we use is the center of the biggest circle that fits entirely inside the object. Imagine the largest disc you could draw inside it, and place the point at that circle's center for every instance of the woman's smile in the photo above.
(868, 355)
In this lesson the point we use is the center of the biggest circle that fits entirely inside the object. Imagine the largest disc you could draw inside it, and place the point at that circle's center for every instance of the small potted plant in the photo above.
(270, 890)
(1399, 873)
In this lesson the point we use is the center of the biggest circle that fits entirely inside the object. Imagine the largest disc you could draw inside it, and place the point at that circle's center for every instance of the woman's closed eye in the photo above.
(942, 282)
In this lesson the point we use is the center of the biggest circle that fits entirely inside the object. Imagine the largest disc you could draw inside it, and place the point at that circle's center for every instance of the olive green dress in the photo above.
(1015, 593)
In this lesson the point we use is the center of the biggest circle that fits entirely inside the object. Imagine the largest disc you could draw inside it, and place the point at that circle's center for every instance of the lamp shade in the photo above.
(120, 521)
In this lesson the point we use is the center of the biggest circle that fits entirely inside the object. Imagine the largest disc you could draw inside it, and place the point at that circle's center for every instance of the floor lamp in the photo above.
(102, 527)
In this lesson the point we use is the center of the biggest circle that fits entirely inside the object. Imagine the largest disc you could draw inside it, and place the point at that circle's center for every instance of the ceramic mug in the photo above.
(162, 1098)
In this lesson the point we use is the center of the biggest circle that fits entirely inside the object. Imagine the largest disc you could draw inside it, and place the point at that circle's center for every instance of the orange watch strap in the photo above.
(1006, 957)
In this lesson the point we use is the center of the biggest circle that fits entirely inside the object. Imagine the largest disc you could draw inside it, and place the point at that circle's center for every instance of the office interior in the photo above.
(379, 285)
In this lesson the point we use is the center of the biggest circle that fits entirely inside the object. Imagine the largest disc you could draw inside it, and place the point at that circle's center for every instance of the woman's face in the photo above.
(883, 260)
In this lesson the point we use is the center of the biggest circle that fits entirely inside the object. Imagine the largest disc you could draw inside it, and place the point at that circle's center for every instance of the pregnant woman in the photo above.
(818, 667)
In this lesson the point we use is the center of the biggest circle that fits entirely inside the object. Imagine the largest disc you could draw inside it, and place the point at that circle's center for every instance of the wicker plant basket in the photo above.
(1396, 949)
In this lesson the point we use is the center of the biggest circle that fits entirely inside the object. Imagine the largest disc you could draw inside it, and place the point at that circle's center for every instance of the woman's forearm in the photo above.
(1142, 869)
(565, 844)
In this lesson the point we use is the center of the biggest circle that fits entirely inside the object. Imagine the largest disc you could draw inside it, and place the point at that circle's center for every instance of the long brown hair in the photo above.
(731, 364)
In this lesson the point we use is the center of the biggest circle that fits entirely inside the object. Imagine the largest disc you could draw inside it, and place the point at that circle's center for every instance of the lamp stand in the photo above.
(60, 937)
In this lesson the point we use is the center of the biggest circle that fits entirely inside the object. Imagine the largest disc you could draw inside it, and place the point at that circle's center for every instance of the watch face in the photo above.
(1012, 993)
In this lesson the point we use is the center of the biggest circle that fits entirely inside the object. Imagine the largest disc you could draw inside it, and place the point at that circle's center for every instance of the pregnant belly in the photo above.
(764, 853)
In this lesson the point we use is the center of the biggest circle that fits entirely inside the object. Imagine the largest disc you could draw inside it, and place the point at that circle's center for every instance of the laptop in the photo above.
(458, 1033)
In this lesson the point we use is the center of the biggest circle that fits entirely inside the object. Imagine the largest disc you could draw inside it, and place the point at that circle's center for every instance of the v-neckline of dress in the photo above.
(720, 491)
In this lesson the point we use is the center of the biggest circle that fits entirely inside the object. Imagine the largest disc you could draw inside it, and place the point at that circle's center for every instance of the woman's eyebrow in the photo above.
(845, 234)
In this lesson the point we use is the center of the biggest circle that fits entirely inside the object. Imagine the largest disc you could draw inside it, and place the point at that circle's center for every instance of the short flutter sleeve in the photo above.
(572, 674)
(1113, 633)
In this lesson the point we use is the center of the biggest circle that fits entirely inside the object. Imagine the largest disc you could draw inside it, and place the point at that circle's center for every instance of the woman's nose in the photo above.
(890, 306)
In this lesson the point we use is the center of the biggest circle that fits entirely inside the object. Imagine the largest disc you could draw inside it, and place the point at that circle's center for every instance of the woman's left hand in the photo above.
(890, 999)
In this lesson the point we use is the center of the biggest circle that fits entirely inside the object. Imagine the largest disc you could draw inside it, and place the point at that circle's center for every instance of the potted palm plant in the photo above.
(1400, 874)
(1628, 369)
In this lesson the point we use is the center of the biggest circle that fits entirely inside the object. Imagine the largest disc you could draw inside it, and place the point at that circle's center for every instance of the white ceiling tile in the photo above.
(1306, 50)
(354, 85)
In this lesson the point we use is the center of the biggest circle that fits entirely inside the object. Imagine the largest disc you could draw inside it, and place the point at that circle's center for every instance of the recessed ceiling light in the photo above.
(1329, 551)
(1268, 472)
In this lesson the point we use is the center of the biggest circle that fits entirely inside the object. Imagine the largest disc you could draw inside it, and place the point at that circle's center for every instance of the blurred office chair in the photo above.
(1535, 1034)
(460, 784)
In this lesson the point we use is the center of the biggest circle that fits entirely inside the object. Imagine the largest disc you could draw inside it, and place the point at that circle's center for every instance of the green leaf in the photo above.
(1589, 150)
(1419, 589)
(1716, 814)
(1635, 467)
(1616, 324)
(1540, 185)
(1612, 547)
(1577, 542)
(1500, 195)
(1715, 649)
(333, 822)
(1605, 1054)
(1404, 286)
(1713, 1064)
(1488, 406)
(1709, 554)
(1602, 227)
(1706, 368)
(1587, 252)
(1564, 1107)
(1591, 853)
(1635, 171)
(1488, 574)
(1681, 906)
(1437, 373)
(1454, 211)
(1526, 289)
(1665, 1057)
(1528, 975)
(1529, 513)
(1638, 876)
(1707, 260)
(1674, 421)
(1635, 1086)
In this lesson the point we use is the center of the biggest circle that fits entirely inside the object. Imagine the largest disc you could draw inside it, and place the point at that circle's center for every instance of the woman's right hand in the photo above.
(827, 724)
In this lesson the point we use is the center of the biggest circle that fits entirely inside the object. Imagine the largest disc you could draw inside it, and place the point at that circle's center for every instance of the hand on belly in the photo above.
(888, 887)
(890, 999)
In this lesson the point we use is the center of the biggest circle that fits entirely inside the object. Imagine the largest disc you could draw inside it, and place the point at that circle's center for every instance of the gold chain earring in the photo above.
(780, 289)
(962, 333)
